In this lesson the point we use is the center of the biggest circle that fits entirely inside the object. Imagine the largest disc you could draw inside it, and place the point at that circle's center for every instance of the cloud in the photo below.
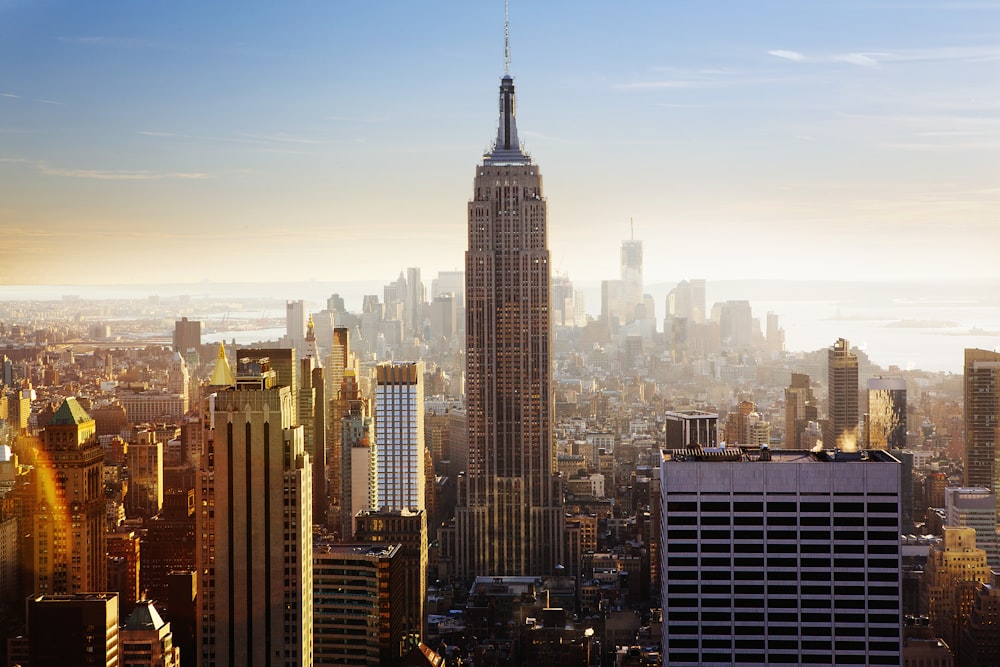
(119, 175)
(981, 53)
(787, 55)
(106, 174)
(10, 95)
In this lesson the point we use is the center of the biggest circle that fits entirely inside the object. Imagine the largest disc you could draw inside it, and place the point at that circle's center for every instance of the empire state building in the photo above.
(509, 518)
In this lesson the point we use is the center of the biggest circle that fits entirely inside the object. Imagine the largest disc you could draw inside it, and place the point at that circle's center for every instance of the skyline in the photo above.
(858, 139)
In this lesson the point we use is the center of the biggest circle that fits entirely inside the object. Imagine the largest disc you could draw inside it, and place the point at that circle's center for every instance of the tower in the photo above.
(295, 324)
(254, 532)
(509, 518)
(842, 408)
(885, 423)
(631, 276)
(399, 435)
(68, 522)
(982, 407)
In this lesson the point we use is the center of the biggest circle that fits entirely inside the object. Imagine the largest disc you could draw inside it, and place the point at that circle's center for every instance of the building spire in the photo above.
(507, 148)
(506, 37)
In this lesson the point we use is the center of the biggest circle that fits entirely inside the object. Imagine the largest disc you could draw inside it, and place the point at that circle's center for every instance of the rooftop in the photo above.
(70, 412)
(736, 454)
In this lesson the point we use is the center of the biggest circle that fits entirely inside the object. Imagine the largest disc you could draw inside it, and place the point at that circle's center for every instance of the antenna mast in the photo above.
(506, 37)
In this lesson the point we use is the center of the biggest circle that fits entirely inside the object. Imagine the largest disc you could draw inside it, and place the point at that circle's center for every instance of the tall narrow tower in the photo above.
(842, 430)
(982, 417)
(509, 519)
(254, 541)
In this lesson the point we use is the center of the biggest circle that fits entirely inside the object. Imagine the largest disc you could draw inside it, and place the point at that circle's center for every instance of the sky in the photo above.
(175, 142)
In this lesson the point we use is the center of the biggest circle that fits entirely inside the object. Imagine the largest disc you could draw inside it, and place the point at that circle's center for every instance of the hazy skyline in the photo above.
(179, 142)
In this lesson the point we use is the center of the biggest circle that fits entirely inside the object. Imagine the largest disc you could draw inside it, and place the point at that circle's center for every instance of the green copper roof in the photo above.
(70, 412)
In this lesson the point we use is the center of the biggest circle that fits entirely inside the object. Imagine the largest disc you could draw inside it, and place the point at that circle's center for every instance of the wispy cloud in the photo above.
(279, 138)
(982, 53)
(106, 174)
(10, 95)
(787, 55)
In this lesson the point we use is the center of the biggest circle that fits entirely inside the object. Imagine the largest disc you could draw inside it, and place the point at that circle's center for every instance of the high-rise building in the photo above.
(975, 508)
(780, 557)
(358, 483)
(145, 467)
(254, 500)
(954, 571)
(841, 430)
(631, 276)
(407, 528)
(691, 428)
(413, 304)
(980, 644)
(358, 603)
(146, 639)
(187, 335)
(68, 521)
(800, 408)
(885, 422)
(78, 629)
(982, 409)
(509, 518)
(399, 435)
(312, 415)
(295, 325)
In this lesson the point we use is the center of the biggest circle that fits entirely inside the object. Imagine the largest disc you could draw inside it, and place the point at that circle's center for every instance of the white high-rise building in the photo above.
(295, 325)
(254, 535)
(780, 557)
(399, 435)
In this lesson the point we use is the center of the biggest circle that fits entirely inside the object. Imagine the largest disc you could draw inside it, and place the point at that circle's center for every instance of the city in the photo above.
(497, 464)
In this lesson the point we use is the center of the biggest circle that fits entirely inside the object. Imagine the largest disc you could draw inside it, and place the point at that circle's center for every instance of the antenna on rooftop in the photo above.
(506, 37)
(631, 224)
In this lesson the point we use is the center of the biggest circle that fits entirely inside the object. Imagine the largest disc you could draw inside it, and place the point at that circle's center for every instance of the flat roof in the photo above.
(740, 454)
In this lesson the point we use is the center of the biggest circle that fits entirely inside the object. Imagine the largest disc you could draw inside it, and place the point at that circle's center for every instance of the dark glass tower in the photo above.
(509, 519)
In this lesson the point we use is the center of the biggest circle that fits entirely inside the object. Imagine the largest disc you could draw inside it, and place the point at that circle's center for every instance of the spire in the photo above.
(507, 149)
(312, 350)
(222, 374)
(506, 38)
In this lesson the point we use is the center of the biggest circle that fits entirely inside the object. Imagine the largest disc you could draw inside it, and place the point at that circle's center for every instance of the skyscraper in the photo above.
(254, 527)
(982, 407)
(68, 519)
(509, 519)
(631, 277)
(780, 557)
(885, 425)
(399, 435)
(842, 408)
(295, 325)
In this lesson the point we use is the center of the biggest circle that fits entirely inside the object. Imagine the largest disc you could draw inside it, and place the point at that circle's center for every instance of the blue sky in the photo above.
(181, 141)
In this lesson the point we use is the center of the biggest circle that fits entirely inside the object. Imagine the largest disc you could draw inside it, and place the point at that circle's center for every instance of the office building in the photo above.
(509, 515)
(800, 409)
(980, 643)
(954, 572)
(358, 484)
(67, 532)
(691, 428)
(144, 497)
(982, 408)
(312, 408)
(295, 325)
(77, 629)
(630, 272)
(187, 336)
(399, 435)
(780, 557)
(841, 429)
(407, 528)
(976, 508)
(358, 603)
(146, 639)
(885, 422)
(254, 547)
